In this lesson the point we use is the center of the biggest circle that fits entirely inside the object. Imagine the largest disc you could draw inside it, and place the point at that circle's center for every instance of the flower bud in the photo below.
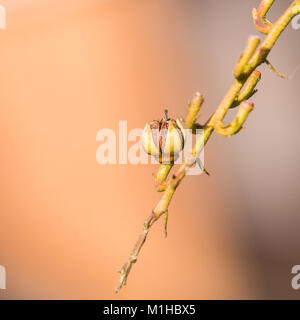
(163, 139)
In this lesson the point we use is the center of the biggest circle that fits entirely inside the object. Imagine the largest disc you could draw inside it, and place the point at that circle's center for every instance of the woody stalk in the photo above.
(246, 77)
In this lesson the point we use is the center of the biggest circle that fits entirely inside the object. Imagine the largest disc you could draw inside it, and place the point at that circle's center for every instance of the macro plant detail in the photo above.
(246, 78)
(163, 139)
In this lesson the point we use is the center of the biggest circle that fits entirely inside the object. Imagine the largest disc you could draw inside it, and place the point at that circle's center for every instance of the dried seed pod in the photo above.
(150, 138)
(163, 139)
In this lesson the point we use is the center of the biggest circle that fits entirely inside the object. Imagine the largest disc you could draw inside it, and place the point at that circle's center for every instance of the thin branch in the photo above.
(260, 22)
(253, 43)
(281, 75)
(236, 125)
(242, 88)
(248, 89)
(193, 110)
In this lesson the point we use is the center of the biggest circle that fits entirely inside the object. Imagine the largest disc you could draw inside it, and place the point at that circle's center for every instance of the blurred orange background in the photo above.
(70, 68)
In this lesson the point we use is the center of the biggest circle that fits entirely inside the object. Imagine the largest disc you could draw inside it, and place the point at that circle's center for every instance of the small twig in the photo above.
(236, 125)
(243, 88)
(166, 223)
(193, 110)
(253, 43)
(248, 89)
(281, 75)
(260, 22)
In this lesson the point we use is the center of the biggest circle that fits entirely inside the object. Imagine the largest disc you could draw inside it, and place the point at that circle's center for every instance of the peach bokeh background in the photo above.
(70, 68)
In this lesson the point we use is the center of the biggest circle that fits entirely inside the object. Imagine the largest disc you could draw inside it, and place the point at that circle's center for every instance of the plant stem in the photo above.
(242, 88)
